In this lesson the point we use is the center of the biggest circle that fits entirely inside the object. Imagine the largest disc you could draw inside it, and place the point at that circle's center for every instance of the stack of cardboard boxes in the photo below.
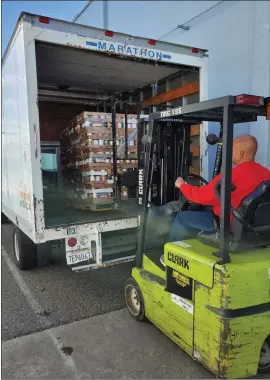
(87, 157)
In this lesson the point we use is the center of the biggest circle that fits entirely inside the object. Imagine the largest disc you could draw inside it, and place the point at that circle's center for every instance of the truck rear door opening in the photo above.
(71, 81)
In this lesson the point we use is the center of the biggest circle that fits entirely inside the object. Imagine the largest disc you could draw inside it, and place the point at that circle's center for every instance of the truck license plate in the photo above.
(74, 258)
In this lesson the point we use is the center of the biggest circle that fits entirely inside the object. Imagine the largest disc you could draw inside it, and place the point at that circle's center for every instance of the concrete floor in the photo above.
(110, 346)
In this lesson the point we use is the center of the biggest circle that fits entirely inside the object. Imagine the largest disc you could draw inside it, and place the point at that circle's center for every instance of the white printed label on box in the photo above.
(182, 303)
(182, 244)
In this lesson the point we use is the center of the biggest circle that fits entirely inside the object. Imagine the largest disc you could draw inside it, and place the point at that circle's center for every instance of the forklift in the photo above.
(209, 295)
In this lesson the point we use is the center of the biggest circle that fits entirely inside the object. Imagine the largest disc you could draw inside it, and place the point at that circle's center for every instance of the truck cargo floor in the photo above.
(55, 215)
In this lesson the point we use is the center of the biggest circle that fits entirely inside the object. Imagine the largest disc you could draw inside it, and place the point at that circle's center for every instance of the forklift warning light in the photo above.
(250, 100)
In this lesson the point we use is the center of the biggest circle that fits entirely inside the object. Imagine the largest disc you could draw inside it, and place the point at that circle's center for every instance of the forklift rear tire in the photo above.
(264, 363)
(134, 300)
(24, 250)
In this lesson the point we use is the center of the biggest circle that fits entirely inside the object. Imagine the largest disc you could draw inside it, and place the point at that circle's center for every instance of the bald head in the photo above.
(244, 149)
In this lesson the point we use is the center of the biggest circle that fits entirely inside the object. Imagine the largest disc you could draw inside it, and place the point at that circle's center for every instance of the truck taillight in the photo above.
(267, 104)
(44, 20)
(72, 242)
(108, 33)
(152, 42)
(195, 50)
(250, 100)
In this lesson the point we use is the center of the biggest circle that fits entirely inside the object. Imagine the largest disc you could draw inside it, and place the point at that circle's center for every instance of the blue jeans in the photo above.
(187, 224)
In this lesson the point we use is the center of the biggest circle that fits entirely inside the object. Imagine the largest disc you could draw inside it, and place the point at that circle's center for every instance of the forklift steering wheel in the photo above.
(196, 176)
(187, 205)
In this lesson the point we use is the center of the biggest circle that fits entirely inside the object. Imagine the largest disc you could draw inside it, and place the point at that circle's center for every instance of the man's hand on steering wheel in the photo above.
(181, 181)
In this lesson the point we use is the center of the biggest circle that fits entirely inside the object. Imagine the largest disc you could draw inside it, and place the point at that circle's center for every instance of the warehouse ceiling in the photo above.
(97, 72)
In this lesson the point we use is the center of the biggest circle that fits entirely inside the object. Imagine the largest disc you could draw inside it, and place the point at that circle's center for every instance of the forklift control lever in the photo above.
(217, 189)
(213, 139)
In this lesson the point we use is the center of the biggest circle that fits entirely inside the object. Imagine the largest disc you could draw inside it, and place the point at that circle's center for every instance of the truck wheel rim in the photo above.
(16, 247)
(133, 300)
(265, 356)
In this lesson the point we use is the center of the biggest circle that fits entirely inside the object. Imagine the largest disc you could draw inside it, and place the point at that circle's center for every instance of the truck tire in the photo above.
(44, 255)
(4, 219)
(24, 250)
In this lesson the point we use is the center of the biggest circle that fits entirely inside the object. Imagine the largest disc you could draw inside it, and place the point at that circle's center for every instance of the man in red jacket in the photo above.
(247, 175)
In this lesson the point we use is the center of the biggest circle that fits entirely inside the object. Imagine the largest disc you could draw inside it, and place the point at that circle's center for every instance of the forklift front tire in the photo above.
(264, 364)
(134, 300)
(24, 250)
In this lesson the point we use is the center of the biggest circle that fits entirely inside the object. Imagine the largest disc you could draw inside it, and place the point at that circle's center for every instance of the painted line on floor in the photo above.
(38, 310)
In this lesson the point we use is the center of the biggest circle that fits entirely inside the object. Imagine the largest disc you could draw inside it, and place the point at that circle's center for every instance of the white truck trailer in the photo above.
(51, 71)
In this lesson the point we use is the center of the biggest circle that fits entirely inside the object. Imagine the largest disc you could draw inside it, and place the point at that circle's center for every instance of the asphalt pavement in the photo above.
(64, 296)
(59, 324)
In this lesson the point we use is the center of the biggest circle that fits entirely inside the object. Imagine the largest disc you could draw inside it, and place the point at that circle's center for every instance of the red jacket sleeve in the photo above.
(203, 195)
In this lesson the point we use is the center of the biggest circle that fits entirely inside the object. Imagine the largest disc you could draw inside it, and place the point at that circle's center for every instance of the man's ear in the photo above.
(241, 153)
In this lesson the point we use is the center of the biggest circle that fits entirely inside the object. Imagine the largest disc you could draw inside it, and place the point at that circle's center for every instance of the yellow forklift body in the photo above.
(219, 314)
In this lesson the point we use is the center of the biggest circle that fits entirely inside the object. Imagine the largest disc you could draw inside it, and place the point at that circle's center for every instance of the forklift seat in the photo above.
(250, 222)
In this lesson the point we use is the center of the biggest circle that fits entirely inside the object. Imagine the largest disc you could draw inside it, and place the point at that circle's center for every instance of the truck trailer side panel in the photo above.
(17, 187)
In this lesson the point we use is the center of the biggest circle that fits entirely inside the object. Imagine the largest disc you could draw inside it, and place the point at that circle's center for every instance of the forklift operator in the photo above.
(247, 175)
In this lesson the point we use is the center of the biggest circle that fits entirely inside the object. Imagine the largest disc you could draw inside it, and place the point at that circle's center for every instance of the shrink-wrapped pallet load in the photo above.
(87, 157)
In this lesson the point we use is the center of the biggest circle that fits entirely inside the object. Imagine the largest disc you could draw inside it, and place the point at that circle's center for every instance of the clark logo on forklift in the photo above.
(178, 260)
(140, 190)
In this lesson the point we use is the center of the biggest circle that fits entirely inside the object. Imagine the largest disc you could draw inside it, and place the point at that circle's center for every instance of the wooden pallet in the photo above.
(91, 205)
(102, 207)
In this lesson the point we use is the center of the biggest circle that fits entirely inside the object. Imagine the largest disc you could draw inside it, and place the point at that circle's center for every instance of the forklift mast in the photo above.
(171, 158)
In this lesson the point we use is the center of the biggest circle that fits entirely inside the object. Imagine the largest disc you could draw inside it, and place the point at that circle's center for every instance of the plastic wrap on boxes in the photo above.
(87, 155)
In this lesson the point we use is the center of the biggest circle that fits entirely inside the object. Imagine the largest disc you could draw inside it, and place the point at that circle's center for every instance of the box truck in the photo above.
(53, 71)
